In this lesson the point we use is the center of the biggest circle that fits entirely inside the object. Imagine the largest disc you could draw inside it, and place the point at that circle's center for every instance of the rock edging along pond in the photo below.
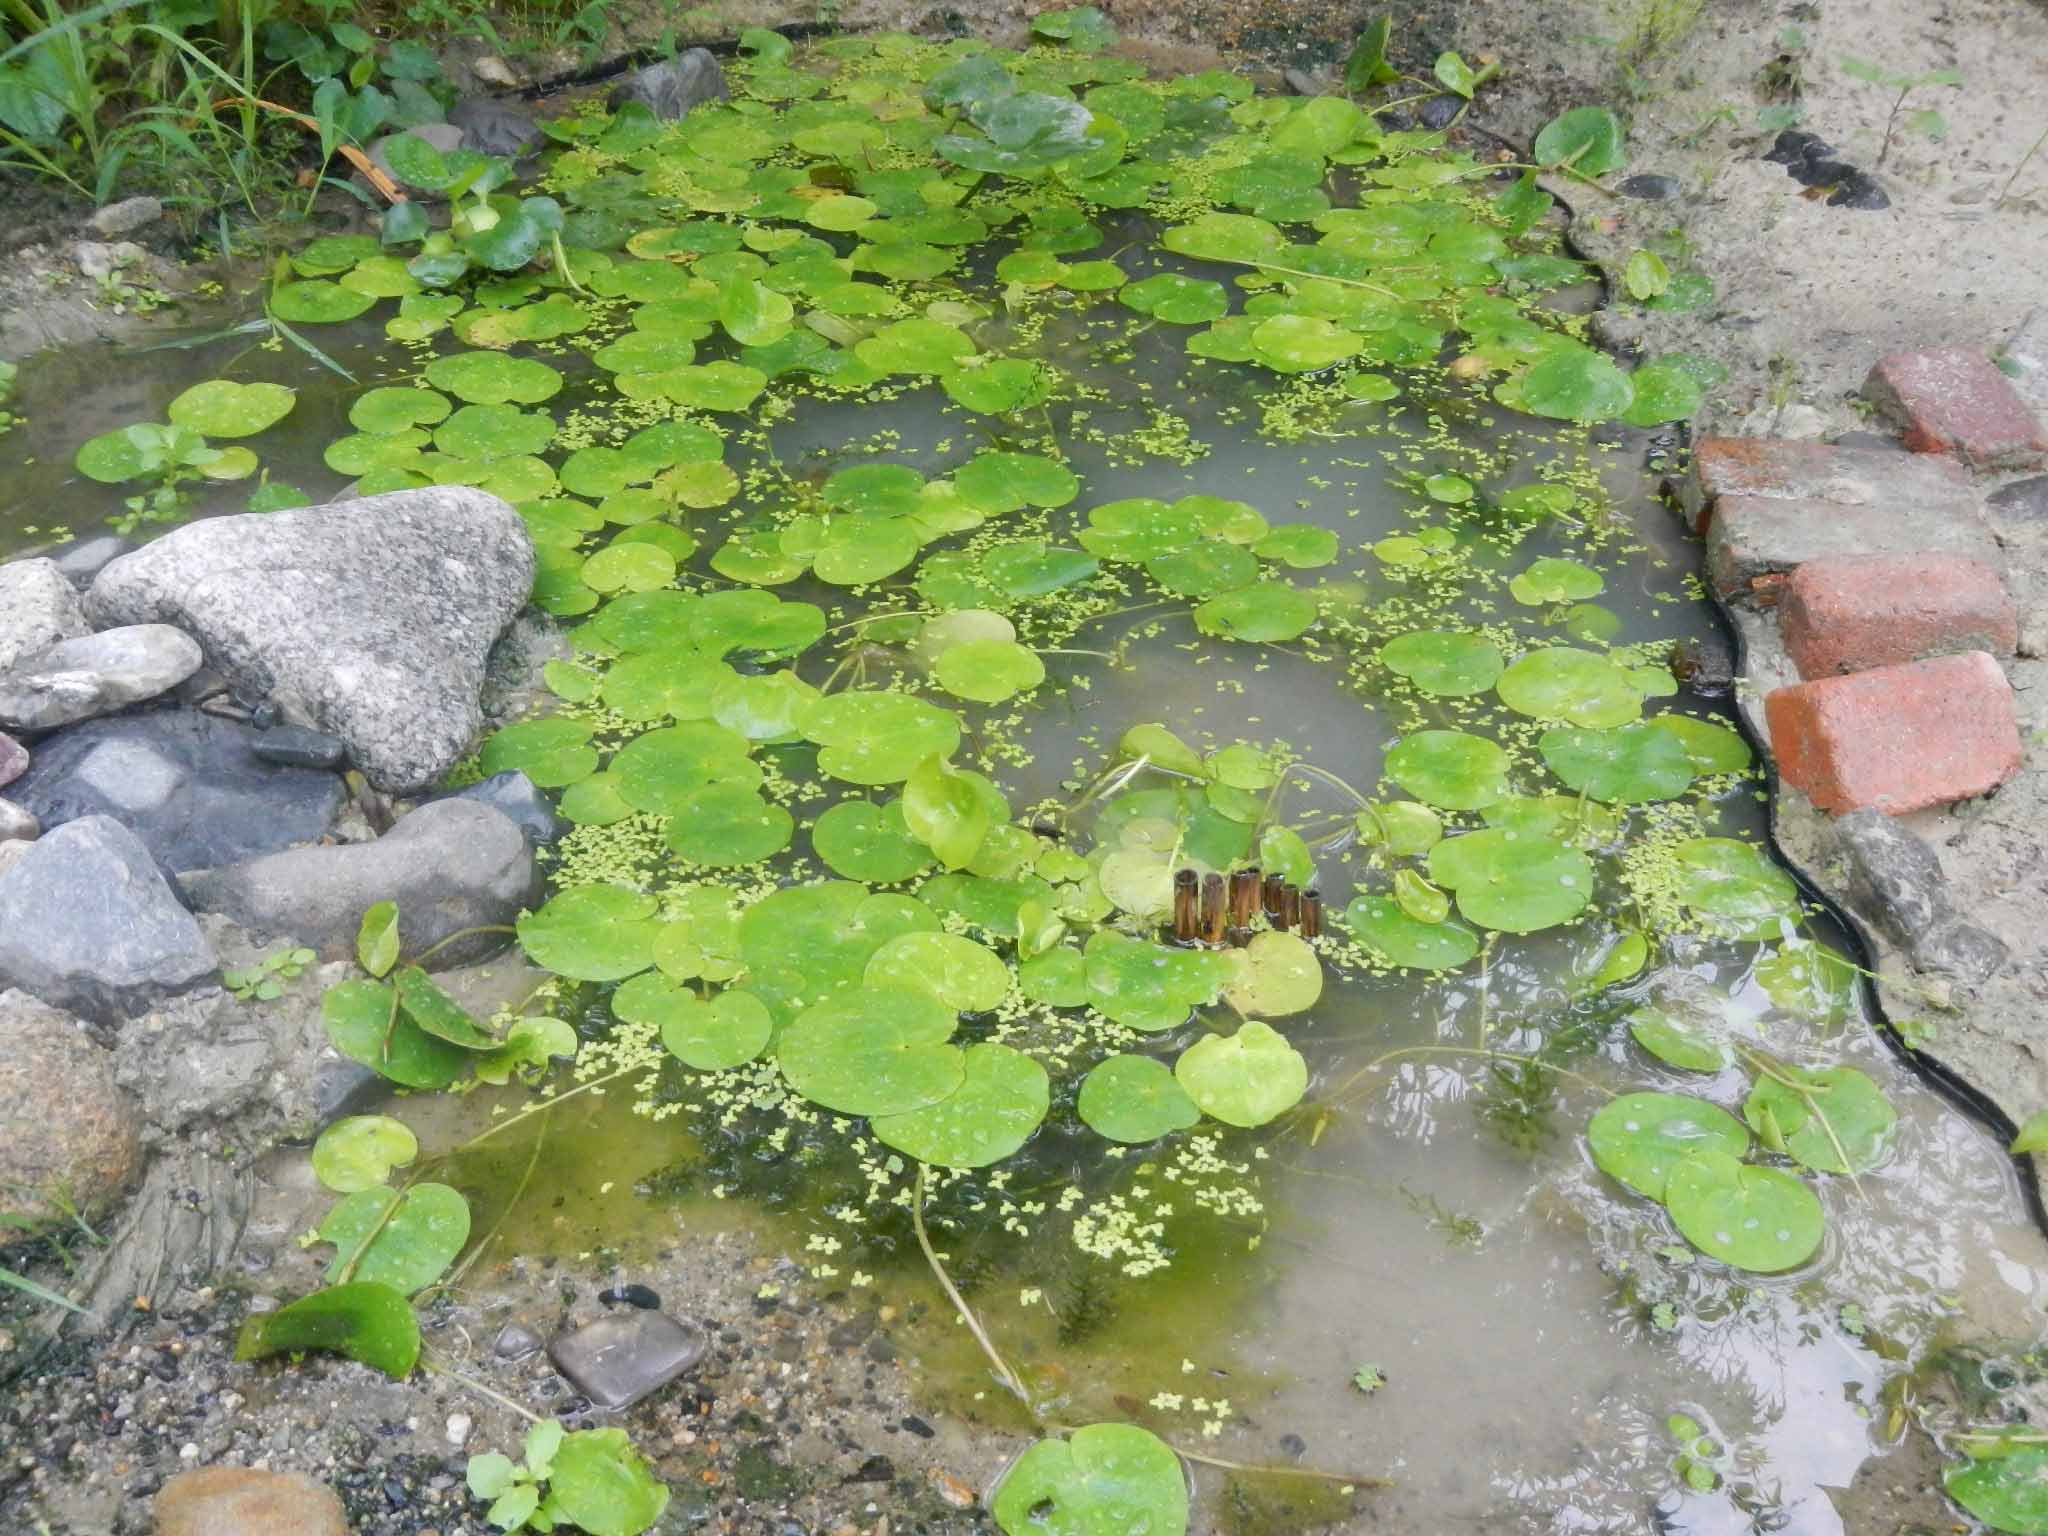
(956, 463)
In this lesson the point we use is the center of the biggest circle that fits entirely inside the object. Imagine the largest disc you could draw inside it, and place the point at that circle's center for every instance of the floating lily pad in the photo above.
(222, 408)
(728, 824)
(592, 933)
(1640, 1138)
(1573, 686)
(989, 671)
(1445, 663)
(1452, 769)
(1003, 1097)
(1840, 1123)
(967, 977)
(1627, 766)
(1758, 1219)
(1683, 1043)
(1513, 881)
(359, 1152)
(1556, 581)
(1734, 888)
(1267, 612)
(318, 302)
(1134, 1099)
(403, 1240)
(1147, 986)
(1280, 975)
(1103, 1480)
(877, 738)
(873, 1051)
(1245, 1079)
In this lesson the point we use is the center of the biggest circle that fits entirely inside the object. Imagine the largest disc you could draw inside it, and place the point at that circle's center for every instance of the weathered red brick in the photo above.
(1753, 538)
(1955, 401)
(1897, 739)
(1847, 613)
(1787, 470)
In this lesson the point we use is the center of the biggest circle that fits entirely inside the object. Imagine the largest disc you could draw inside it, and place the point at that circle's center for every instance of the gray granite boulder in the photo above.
(492, 127)
(670, 87)
(189, 784)
(38, 608)
(88, 923)
(68, 1137)
(95, 675)
(450, 865)
(371, 619)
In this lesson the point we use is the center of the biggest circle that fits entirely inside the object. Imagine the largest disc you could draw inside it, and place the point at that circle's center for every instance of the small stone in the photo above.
(459, 1426)
(1845, 613)
(854, 1331)
(67, 1133)
(99, 261)
(38, 608)
(189, 784)
(671, 87)
(492, 70)
(494, 127)
(342, 1088)
(86, 558)
(1301, 82)
(13, 759)
(95, 675)
(2023, 498)
(88, 923)
(17, 824)
(295, 746)
(450, 865)
(952, 1490)
(619, 1359)
(1954, 400)
(126, 216)
(1651, 187)
(237, 1501)
(1896, 881)
(515, 1341)
(1897, 739)
(1440, 111)
(513, 794)
(371, 618)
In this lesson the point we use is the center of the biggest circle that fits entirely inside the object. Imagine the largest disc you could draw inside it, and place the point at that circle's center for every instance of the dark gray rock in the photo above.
(85, 559)
(13, 759)
(513, 795)
(450, 865)
(342, 1088)
(297, 747)
(2023, 498)
(88, 923)
(670, 87)
(67, 1133)
(1896, 881)
(371, 618)
(492, 127)
(18, 823)
(95, 675)
(1651, 187)
(1440, 111)
(38, 608)
(620, 1359)
(188, 784)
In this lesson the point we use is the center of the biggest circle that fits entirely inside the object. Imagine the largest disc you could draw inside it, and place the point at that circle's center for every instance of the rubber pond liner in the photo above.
(980, 487)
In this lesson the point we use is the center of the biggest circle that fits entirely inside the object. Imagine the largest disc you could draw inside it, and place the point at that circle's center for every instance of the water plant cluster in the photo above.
(800, 907)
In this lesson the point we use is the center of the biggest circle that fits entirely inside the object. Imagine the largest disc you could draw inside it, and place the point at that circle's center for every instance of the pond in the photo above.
(1300, 587)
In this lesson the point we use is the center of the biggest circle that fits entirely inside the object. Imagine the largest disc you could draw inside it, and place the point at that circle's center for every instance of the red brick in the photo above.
(1897, 739)
(1955, 401)
(1847, 613)
(1782, 469)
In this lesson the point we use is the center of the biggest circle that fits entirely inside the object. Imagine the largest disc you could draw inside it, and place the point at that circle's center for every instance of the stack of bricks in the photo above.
(1884, 574)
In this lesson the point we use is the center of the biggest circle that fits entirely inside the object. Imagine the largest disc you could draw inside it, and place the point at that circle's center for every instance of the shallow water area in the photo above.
(1418, 1273)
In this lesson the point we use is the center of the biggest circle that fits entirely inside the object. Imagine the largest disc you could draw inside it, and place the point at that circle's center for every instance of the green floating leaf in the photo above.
(592, 933)
(869, 842)
(222, 408)
(1573, 686)
(2004, 1484)
(1682, 1043)
(877, 738)
(552, 752)
(365, 1024)
(1280, 975)
(965, 976)
(1148, 986)
(1575, 383)
(727, 1031)
(1451, 769)
(1103, 1480)
(873, 1051)
(1640, 1138)
(435, 1012)
(1832, 1119)
(1710, 748)
(1002, 1099)
(1444, 663)
(1267, 612)
(729, 824)
(598, 1483)
(989, 671)
(367, 1322)
(1629, 766)
(1383, 927)
(1134, 1099)
(1735, 888)
(1759, 1219)
(1513, 881)
(405, 1240)
(360, 1151)
(1556, 581)
(1245, 1079)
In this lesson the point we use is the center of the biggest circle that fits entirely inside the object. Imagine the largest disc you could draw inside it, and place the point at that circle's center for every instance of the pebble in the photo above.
(459, 1426)
(126, 216)
(13, 759)
(1651, 187)
(515, 1341)
(1440, 111)
(953, 1490)
(618, 1360)
(297, 746)
(18, 824)
(631, 1295)
(492, 70)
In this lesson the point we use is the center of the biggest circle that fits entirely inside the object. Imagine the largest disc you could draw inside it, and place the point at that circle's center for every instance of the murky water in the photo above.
(1535, 1326)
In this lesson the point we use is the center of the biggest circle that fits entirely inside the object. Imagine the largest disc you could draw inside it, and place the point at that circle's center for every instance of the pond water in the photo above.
(1430, 1220)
